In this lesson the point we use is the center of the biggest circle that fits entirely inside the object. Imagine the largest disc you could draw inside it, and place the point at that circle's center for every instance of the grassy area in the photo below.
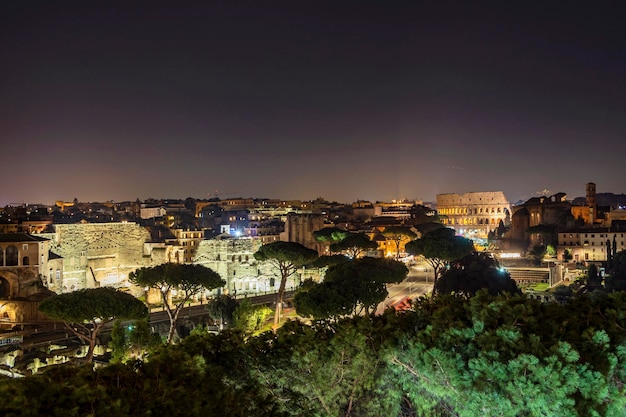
(542, 286)
(288, 313)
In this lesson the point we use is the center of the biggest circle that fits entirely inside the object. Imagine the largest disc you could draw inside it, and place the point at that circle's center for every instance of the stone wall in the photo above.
(100, 254)
(16, 312)
(299, 228)
(234, 260)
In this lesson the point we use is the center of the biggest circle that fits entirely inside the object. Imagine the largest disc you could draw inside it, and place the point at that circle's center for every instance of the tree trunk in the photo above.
(90, 336)
(170, 334)
(92, 347)
(173, 321)
(279, 300)
(173, 316)
(437, 272)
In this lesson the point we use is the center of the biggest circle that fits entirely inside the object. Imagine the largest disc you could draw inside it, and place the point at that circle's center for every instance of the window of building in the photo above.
(25, 247)
(25, 261)
(11, 255)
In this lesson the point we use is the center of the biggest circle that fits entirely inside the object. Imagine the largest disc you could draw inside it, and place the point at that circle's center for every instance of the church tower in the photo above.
(591, 201)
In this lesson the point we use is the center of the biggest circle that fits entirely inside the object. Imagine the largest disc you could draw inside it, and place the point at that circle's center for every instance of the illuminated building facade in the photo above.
(182, 247)
(23, 264)
(233, 259)
(26, 267)
(588, 213)
(299, 228)
(590, 244)
(474, 214)
(553, 211)
(594, 214)
(102, 254)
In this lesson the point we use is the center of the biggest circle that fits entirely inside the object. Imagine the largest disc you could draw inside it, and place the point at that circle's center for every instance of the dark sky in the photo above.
(347, 100)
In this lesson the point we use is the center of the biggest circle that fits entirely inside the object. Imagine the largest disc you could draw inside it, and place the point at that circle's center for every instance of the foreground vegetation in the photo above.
(450, 356)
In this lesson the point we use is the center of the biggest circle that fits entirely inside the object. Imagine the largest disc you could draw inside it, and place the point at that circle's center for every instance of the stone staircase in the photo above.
(529, 275)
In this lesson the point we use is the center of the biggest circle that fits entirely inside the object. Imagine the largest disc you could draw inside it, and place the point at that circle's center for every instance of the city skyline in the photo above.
(341, 100)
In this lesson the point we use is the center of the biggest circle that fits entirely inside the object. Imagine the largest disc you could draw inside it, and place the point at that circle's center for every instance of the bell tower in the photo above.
(591, 201)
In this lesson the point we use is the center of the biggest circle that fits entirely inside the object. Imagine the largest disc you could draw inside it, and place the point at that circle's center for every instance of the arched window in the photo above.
(5, 288)
(25, 261)
(12, 255)
(1, 256)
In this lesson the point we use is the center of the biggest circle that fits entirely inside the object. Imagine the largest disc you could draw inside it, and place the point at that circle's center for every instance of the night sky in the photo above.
(345, 100)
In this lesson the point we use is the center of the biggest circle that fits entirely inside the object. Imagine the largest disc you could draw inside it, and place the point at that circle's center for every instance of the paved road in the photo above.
(418, 282)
